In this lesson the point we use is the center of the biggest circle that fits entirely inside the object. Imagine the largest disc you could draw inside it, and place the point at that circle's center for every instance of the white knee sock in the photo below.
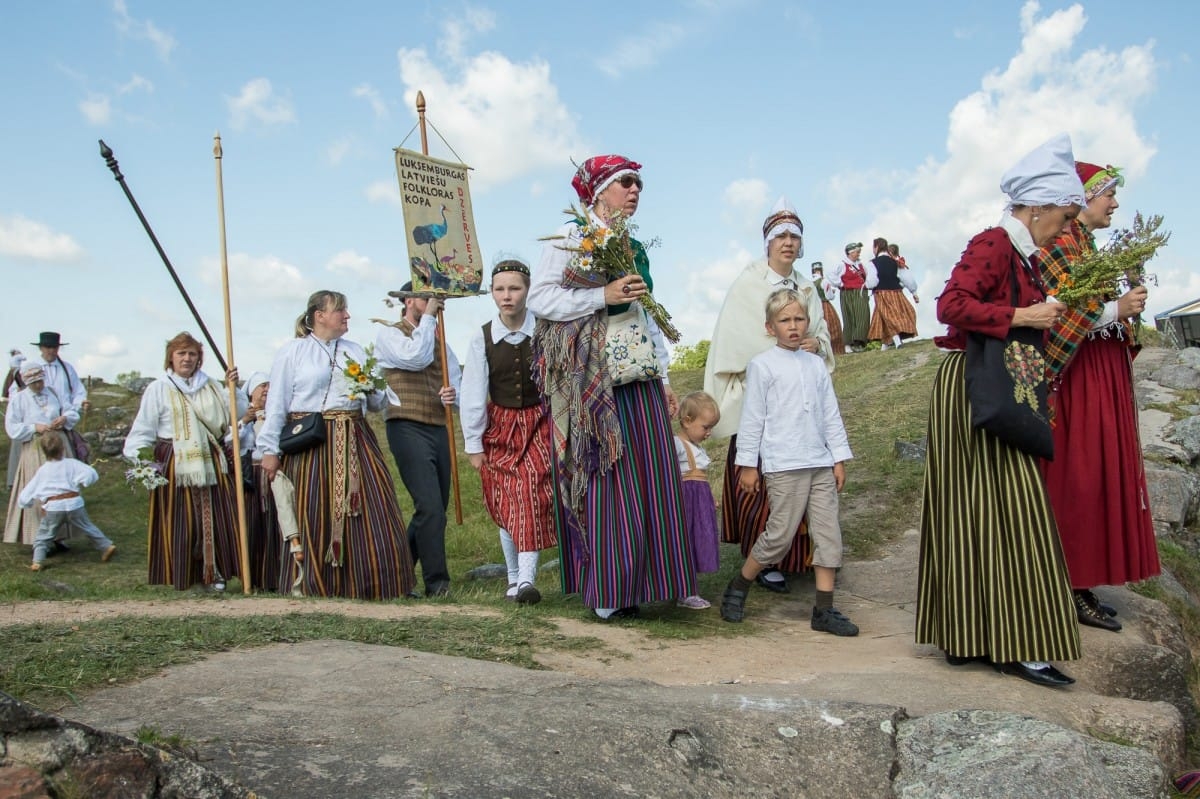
(527, 563)
(510, 554)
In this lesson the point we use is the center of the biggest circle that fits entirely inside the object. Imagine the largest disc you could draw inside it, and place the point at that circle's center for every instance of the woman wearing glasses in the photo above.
(619, 489)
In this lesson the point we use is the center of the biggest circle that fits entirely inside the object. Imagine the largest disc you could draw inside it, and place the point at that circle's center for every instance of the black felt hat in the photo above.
(48, 338)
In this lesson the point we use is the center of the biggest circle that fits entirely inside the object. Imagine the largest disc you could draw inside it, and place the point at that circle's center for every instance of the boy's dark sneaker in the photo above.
(733, 604)
(831, 620)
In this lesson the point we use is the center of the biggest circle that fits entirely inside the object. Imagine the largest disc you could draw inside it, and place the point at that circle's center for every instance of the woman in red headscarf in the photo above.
(1096, 482)
(623, 537)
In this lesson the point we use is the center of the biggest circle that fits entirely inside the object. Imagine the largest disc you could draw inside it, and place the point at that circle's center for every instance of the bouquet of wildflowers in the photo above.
(363, 379)
(148, 474)
(1118, 266)
(606, 251)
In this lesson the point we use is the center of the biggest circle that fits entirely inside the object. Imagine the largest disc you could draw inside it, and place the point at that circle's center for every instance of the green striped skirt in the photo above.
(992, 578)
(856, 316)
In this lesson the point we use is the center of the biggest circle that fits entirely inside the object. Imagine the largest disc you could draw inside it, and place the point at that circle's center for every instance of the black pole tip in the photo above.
(105, 150)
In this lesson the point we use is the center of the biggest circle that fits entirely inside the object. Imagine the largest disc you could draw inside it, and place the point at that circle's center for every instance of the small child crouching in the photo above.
(790, 419)
(56, 486)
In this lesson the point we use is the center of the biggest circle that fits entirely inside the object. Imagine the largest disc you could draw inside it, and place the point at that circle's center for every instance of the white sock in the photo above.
(1035, 665)
(604, 613)
(510, 554)
(896, 339)
(527, 563)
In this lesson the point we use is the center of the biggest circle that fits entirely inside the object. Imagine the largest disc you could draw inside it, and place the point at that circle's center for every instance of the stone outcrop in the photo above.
(45, 756)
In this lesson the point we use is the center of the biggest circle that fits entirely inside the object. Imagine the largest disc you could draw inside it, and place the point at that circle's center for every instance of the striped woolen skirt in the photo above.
(516, 475)
(351, 531)
(262, 530)
(193, 530)
(992, 579)
(856, 316)
(834, 323)
(744, 517)
(893, 315)
(630, 544)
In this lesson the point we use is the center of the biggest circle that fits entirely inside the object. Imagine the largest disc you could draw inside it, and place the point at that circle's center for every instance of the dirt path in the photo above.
(777, 647)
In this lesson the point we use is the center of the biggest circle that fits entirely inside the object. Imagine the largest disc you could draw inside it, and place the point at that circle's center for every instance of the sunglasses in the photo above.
(628, 181)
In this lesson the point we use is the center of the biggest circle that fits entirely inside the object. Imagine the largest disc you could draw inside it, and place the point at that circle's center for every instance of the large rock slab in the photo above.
(337, 720)
(980, 754)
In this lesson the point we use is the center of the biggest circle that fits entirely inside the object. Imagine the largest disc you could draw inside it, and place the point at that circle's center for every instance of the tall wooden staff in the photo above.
(243, 542)
(111, 161)
(458, 514)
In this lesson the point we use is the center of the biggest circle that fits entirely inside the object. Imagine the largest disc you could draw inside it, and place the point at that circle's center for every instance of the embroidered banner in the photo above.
(438, 225)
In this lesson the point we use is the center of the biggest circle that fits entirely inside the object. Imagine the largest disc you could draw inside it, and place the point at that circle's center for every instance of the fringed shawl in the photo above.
(571, 370)
(1076, 324)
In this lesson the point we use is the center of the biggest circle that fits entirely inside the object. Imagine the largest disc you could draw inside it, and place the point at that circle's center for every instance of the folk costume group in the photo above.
(572, 454)
(1011, 545)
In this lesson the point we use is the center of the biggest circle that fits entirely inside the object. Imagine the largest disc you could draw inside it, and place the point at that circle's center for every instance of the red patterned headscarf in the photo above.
(599, 171)
(1097, 179)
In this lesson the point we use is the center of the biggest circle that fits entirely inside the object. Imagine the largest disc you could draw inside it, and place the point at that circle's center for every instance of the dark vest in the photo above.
(510, 371)
(888, 269)
(417, 391)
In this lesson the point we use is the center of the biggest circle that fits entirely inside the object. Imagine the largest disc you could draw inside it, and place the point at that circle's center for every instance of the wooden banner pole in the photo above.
(239, 486)
(445, 359)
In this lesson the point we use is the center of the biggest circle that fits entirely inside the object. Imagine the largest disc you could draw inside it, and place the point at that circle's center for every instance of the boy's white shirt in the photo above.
(790, 415)
(58, 477)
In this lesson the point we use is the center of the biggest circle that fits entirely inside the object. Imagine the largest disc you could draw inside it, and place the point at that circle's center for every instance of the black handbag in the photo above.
(302, 433)
(1007, 386)
(307, 430)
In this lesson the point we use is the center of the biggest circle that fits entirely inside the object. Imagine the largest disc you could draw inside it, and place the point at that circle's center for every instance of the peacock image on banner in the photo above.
(439, 225)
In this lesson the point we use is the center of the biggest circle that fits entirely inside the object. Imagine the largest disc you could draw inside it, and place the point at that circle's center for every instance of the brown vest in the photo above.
(417, 391)
(510, 372)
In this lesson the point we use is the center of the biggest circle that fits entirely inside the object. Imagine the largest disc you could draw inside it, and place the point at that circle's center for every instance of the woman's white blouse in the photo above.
(303, 381)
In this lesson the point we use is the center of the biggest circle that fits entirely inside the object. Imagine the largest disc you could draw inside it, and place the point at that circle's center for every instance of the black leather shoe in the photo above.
(1048, 675)
(1094, 601)
(963, 660)
(778, 586)
(1091, 615)
(733, 604)
(631, 612)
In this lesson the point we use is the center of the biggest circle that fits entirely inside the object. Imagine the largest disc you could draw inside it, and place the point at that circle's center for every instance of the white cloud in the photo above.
(265, 278)
(257, 104)
(504, 118)
(360, 267)
(369, 93)
(747, 201)
(96, 109)
(458, 30)
(21, 237)
(384, 191)
(635, 52)
(162, 41)
(136, 83)
(338, 151)
(101, 353)
(934, 208)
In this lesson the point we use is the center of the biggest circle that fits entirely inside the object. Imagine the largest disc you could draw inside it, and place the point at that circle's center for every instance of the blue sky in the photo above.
(876, 118)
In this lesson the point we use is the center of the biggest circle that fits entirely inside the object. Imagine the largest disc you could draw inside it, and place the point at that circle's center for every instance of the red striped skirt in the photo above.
(516, 475)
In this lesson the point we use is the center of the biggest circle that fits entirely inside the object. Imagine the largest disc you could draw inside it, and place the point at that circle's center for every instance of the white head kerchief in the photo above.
(1045, 176)
(783, 219)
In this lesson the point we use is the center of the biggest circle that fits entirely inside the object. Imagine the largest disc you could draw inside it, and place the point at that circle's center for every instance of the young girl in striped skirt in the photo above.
(507, 433)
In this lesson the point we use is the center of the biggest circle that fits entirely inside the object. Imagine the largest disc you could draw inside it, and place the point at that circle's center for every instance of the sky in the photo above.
(873, 119)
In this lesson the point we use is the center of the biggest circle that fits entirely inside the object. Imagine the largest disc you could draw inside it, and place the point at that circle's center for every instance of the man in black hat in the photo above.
(409, 352)
(61, 377)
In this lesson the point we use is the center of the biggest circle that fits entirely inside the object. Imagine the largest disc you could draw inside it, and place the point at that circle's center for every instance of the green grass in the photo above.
(883, 396)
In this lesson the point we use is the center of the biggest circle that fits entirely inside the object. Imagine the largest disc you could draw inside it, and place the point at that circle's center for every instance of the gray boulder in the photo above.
(1178, 376)
(1190, 356)
(1186, 433)
(910, 450)
(1173, 493)
(981, 754)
